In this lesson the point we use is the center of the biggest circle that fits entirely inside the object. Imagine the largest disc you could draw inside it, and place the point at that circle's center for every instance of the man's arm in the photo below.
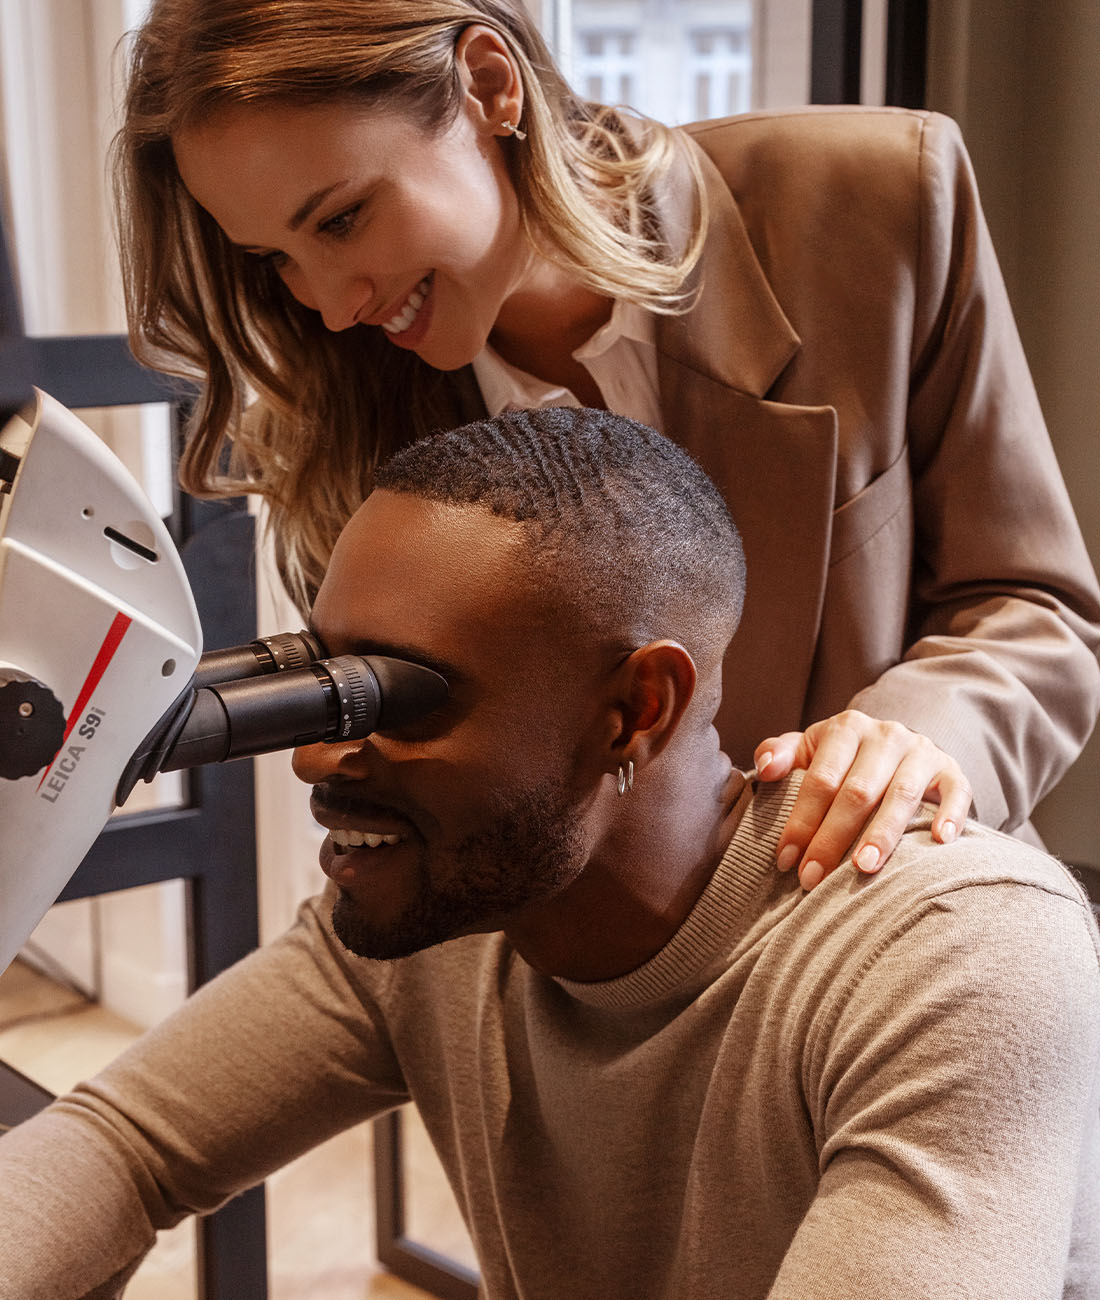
(263, 1063)
(953, 1090)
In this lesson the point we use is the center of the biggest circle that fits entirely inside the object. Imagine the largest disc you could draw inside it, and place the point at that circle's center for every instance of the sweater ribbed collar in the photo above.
(712, 924)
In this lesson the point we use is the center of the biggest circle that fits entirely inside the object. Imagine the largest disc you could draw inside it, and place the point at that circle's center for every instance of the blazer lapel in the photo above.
(776, 466)
(774, 463)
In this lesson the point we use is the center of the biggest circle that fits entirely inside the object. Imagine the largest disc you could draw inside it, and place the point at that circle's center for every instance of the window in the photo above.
(683, 60)
(718, 72)
(607, 66)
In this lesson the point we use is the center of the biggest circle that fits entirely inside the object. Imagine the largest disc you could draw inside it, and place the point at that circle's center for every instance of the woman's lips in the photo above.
(405, 330)
(403, 318)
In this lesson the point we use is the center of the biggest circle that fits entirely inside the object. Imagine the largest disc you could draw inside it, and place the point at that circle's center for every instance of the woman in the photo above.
(382, 217)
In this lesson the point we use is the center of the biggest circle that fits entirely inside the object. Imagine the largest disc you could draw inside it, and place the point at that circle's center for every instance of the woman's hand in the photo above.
(857, 766)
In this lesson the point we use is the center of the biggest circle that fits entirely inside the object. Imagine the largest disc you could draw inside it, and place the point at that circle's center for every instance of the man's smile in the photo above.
(356, 823)
(342, 841)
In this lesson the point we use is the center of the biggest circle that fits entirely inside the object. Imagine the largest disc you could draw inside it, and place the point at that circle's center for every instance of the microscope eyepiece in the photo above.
(333, 699)
(267, 654)
(339, 699)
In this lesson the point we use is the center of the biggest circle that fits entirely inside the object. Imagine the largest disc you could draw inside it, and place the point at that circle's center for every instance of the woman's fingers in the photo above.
(864, 779)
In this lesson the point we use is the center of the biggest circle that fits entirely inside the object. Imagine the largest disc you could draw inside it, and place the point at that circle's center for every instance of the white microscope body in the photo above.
(102, 677)
(98, 636)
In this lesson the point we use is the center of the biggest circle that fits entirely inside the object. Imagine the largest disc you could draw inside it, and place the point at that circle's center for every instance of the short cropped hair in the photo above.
(624, 526)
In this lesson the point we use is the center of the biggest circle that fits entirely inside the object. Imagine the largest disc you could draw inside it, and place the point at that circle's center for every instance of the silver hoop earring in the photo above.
(512, 129)
(626, 777)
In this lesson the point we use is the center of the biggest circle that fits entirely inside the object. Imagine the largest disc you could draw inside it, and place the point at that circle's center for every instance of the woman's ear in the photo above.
(490, 79)
(653, 688)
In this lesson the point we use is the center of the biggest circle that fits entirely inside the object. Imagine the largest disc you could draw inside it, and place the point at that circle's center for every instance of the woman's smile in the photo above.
(361, 211)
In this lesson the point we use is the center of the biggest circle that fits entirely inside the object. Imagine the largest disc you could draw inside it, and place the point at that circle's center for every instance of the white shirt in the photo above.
(621, 357)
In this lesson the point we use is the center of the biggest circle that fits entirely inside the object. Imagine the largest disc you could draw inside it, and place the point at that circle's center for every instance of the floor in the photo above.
(320, 1210)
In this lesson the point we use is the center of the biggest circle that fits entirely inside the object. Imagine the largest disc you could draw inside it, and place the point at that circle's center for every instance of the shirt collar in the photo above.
(505, 387)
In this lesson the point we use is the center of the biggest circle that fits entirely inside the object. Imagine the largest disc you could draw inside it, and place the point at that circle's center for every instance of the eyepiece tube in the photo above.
(344, 698)
(268, 654)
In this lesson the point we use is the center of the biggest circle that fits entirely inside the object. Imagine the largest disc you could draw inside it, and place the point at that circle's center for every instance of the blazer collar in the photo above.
(736, 332)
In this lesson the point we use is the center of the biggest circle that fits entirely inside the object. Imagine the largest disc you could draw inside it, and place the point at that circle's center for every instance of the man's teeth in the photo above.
(361, 839)
(405, 317)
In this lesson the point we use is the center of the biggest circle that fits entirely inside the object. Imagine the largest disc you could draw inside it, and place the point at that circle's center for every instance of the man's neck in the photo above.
(635, 894)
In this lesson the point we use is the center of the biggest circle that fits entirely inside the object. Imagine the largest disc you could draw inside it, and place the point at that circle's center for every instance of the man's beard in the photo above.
(529, 853)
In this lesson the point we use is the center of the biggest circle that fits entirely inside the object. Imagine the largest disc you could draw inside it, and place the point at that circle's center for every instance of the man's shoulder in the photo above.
(986, 888)
(979, 856)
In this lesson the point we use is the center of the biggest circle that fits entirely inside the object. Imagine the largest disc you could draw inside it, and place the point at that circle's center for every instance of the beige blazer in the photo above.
(852, 378)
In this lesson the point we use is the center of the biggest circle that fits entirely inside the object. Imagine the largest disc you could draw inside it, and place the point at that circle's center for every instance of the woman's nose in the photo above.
(342, 299)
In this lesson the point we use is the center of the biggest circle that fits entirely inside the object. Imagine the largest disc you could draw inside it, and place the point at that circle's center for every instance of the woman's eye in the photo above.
(275, 259)
(342, 223)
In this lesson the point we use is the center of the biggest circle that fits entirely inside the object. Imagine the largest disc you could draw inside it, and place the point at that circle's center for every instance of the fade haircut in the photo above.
(624, 527)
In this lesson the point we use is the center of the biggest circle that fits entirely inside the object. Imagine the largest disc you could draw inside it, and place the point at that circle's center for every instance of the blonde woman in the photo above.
(357, 220)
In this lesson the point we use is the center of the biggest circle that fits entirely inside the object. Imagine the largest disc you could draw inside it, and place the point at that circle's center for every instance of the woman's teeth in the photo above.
(405, 317)
(342, 841)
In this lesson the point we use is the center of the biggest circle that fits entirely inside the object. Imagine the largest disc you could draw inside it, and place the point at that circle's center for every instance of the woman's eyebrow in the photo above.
(313, 203)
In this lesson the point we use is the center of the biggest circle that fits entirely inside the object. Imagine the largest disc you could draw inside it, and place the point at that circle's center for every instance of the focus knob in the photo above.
(32, 727)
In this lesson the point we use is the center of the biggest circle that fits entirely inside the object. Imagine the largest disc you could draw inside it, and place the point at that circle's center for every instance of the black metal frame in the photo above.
(406, 1258)
(907, 53)
(837, 50)
(211, 842)
(836, 47)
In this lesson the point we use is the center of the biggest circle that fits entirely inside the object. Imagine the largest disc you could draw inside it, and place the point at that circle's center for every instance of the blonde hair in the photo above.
(331, 405)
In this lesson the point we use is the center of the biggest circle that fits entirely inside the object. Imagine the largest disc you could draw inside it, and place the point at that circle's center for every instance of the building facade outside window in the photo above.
(717, 72)
(683, 60)
(608, 68)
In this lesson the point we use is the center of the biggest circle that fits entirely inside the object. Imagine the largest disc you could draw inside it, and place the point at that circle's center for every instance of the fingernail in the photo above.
(948, 831)
(789, 857)
(867, 858)
(813, 873)
(763, 761)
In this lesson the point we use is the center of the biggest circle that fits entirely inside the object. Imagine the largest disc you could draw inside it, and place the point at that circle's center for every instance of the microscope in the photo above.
(103, 679)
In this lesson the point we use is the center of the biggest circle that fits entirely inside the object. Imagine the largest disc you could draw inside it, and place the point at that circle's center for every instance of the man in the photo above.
(652, 1065)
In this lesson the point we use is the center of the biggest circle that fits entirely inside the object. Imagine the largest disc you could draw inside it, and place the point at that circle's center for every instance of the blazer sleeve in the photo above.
(1000, 668)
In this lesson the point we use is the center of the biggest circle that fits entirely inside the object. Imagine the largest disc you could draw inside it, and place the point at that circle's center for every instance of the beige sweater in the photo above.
(885, 1088)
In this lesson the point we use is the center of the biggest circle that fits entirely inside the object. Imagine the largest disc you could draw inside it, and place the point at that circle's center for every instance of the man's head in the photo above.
(576, 578)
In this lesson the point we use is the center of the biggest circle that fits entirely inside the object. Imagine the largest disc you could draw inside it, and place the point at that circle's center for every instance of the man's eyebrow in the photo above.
(386, 649)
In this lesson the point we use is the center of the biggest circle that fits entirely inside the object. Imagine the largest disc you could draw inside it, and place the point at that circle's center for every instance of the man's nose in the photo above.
(317, 763)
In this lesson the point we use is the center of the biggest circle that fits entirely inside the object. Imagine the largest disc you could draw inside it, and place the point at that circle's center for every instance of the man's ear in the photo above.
(490, 79)
(653, 688)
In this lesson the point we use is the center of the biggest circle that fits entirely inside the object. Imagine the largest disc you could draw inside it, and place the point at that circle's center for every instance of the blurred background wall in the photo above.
(1023, 80)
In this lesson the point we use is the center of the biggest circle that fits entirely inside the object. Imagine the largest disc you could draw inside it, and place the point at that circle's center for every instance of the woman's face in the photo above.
(368, 218)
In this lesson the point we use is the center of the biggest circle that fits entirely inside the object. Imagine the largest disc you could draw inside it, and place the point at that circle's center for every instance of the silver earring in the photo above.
(512, 129)
(626, 777)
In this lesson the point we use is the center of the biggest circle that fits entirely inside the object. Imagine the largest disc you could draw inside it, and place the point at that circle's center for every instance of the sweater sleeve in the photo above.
(268, 1060)
(1000, 669)
(952, 1085)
